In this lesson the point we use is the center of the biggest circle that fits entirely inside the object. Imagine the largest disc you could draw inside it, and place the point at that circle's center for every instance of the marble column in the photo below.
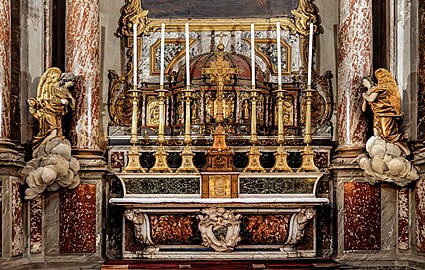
(354, 63)
(82, 59)
(5, 76)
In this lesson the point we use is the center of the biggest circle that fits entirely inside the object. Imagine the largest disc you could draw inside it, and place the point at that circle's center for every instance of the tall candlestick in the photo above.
(310, 54)
(161, 81)
(252, 54)
(279, 56)
(135, 54)
(186, 26)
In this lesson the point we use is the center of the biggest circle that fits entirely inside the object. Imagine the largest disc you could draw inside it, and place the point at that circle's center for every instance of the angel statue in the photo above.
(388, 147)
(52, 165)
(51, 104)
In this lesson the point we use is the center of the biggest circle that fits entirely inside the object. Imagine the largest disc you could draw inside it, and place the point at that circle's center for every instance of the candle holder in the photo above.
(307, 164)
(254, 154)
(281, 163)
(187, 154)
(133, 164)
(161, 164)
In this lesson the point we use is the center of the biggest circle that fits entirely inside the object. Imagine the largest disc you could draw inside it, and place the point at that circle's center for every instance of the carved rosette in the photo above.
(219, 228)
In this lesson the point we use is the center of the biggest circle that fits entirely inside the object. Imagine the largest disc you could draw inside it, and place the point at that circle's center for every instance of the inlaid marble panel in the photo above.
(362, 216)
(17, 221)
(275, 185)
(163, 185)
(403, 218)
(264, 229)
(420, 215)
(117, 160)
(36, 213)
(175, 229)
(77, 233)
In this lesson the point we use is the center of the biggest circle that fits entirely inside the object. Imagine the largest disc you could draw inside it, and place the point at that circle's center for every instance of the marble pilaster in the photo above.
(83, 59)
(421, 71)
(354, 63)
(420, 215)
(5, 75)
(403, 219)
(36, 223)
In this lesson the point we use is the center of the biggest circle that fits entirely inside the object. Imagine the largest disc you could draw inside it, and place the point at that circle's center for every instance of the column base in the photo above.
(349, 152)
(88, 154)
(7, 146)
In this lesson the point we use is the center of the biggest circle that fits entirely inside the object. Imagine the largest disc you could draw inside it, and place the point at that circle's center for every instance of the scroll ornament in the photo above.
(52, 165)
(219, 228)
(387, 149)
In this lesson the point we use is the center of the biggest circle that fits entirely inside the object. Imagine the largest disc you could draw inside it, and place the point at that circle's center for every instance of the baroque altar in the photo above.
(220, 146)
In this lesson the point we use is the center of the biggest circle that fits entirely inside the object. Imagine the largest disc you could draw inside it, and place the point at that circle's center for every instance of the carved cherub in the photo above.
(51, 104)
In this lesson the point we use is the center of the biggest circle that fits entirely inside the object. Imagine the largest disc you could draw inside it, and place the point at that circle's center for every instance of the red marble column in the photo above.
(82, 59)
(5, 75)
(354, 63)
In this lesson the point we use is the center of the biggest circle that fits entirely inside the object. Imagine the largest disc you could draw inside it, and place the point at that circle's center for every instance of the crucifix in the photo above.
(220, 72)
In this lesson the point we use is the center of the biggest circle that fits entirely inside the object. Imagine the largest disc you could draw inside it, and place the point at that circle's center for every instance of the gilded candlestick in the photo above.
(281, 164)
(161, 164)
(254, 154)
(187, 154)
(307, 163)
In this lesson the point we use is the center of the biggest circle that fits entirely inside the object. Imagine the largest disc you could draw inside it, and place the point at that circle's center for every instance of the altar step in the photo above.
(221, 265)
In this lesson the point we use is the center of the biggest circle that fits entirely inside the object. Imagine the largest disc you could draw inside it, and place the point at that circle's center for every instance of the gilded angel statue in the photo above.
(385, 103)
(52, 165)
(51, 104)
(387, 148)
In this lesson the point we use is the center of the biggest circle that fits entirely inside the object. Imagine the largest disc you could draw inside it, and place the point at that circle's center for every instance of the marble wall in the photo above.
(78, 219)
(362, 216)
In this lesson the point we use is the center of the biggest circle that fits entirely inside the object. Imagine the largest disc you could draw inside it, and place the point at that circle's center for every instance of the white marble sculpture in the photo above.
(219, 228)
(386, 162)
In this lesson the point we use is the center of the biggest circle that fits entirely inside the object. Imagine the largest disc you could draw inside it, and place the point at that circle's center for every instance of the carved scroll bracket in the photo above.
(297, 228)
(141, 229)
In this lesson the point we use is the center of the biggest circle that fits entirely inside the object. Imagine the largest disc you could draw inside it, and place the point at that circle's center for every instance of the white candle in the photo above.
(310, 54)
(186, 26)
(135, 66)
(252, 54)
(161, 80)
(279, 56)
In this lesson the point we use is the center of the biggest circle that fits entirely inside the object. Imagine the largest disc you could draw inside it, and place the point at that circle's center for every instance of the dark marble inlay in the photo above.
(114, 231)
(264, 229)
(77, 228)
(36, 225)
(362, 216)
(17, 221)
(175, 229)
(278, 185)
(324, 229)
(163, 185)
(420, 215)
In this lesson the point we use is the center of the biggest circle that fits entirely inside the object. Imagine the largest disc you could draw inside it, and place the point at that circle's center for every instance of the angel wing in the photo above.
(48, 82)
(387, 81)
